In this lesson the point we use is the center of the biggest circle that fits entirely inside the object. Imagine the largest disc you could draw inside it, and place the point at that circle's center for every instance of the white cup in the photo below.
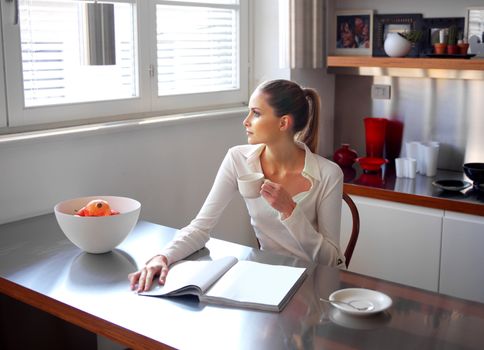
(400, 167)
(250, 184)
(411, 168)
(406, 167)
(413, 151)
(426, 154)
(431, 155)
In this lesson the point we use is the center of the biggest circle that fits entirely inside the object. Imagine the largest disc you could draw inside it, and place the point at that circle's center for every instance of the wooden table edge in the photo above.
(78, 317)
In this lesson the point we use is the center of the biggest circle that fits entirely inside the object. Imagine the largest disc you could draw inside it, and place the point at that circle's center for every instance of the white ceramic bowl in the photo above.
(98, 234)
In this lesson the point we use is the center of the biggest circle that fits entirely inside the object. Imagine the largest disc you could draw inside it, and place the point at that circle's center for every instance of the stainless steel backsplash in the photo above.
(449, 111)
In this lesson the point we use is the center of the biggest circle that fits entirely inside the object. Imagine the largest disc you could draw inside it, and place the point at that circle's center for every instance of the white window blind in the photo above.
(197, 47)
(54, 59)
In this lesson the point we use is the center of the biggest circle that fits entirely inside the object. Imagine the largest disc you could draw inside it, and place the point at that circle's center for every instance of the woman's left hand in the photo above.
(278, 198)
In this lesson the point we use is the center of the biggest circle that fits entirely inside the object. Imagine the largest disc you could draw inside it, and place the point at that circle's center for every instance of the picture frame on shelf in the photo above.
(431, 28)
(474, 29)
(352, 33)
(394, 23)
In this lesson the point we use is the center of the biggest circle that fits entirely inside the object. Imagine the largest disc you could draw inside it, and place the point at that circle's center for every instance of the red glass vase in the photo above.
(393, 139)
(345, 156)
(375, 131)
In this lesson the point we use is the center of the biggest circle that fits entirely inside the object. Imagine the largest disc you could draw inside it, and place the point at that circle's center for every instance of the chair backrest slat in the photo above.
(355, 231)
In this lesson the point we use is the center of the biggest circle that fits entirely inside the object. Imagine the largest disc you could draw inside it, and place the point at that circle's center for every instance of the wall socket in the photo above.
(380, 92)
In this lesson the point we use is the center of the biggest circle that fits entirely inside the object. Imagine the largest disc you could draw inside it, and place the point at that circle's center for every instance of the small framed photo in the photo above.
(394, 23)
(431, 28)
(474, 24)
(352, 33)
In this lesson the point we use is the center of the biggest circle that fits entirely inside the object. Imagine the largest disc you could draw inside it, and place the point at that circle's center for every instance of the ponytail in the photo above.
(288, 98)
(310, 134)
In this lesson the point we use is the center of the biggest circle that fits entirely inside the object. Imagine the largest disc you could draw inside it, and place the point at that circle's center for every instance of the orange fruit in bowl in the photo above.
(97, 234)
(97, 207)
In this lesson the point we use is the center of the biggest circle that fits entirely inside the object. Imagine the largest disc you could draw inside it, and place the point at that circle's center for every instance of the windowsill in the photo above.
(120, 125)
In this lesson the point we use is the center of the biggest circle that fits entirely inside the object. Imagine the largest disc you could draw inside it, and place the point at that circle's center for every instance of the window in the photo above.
(91, 59)
(3, 105)
(56, 64)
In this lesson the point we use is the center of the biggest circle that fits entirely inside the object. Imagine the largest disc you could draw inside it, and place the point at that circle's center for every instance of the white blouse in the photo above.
(312, 231)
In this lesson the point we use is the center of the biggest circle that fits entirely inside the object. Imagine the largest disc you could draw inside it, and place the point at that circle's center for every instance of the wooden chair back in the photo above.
(355, 231)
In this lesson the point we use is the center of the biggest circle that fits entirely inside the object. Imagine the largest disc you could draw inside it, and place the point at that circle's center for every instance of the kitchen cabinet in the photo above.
(462, 260)
(397, 242)
(434, 249)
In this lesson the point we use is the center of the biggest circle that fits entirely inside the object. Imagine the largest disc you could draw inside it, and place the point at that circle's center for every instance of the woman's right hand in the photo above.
(142, 280)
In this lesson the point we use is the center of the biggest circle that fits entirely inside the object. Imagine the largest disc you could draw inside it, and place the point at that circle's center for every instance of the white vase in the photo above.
(396, 45)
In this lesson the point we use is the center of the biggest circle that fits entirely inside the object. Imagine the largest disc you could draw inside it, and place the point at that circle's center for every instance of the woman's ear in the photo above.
(285, 122)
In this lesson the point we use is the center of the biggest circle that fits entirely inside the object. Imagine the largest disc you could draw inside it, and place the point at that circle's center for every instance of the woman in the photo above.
(299, 210)
(346, 37)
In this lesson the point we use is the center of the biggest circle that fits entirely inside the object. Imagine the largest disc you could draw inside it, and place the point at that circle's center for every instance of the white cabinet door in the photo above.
(462, 264)
(397, 242)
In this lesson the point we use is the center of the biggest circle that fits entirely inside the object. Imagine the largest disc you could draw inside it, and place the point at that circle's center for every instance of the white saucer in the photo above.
(362, 323)
(376, 301)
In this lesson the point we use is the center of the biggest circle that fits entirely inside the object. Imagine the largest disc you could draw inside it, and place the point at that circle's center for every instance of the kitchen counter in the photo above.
(419, 191)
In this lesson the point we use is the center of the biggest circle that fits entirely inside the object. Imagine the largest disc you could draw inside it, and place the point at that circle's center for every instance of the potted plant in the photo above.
(400, 44)
(412, 35)
(440, 47)
(462, 44)
(452, 47)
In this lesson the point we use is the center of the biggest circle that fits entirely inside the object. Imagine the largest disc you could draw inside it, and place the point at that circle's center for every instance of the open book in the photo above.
(228, 281)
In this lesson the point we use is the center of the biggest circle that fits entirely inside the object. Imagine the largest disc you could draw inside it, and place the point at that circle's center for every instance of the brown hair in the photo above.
(303, 104)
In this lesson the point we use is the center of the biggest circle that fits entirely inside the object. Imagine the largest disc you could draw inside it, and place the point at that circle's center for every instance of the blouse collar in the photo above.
(311, 167)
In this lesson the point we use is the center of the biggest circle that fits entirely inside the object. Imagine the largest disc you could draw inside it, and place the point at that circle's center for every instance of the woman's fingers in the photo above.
(278, 198)
(150, 273)
(163, 273)
(143, 278)
(133, 279)
(142, 281)
(269, 188)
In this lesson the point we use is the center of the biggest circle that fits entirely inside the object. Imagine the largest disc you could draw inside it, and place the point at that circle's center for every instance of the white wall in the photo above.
(264, 24)
(168, 168)
(266, 65)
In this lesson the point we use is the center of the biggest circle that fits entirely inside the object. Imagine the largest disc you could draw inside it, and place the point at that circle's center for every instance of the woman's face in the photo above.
(348, 39)
(261, 125)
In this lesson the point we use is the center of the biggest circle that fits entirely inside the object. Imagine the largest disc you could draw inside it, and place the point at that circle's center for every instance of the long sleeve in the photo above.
(194, 236)
(311, 232)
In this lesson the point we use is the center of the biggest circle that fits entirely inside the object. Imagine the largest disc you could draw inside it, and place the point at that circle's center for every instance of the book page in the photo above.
(254, 284)
(192, 277)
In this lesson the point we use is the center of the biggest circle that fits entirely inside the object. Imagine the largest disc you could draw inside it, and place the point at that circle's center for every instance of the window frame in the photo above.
(3, 97)
(208, 99)
(147, 103)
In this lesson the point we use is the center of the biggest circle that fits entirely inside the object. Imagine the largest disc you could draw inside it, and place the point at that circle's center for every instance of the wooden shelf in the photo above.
(452, 68)
(391, 62)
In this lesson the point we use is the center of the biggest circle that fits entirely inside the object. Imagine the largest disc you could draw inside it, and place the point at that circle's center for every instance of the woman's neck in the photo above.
(282, 158)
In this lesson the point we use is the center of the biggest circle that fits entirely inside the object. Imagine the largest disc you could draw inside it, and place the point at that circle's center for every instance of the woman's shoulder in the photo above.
(243, 150)
(328, 167)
